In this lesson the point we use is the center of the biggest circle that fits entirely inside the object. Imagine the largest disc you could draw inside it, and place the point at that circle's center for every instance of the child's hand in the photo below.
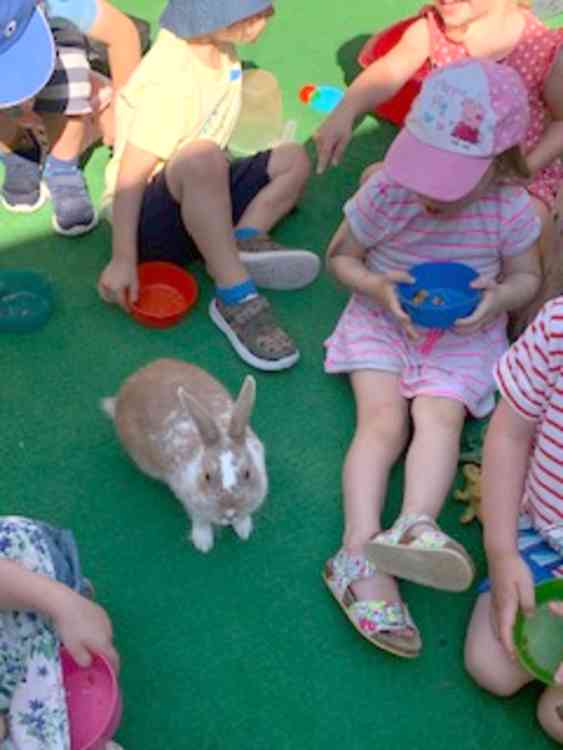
(383, 292)
(512, 587)
(332, 138)
(85, 628)
(119, 283)
(487, 311)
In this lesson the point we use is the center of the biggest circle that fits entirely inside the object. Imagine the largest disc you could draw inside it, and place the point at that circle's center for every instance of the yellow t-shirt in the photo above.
(173, 99)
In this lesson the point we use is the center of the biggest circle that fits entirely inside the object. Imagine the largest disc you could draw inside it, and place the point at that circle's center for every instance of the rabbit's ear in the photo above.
(243, 408)
(206, 426)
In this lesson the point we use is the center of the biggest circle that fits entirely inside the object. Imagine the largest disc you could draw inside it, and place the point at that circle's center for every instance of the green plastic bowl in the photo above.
(539, 639)
(26, 301)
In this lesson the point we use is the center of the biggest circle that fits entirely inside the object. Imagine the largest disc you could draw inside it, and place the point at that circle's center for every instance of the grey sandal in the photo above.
(251, 328)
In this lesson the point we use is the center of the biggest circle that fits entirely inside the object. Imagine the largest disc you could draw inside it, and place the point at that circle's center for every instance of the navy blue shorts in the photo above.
(162, 234)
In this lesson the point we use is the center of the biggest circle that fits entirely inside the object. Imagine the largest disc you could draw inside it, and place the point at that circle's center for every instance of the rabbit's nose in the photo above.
(229, 513)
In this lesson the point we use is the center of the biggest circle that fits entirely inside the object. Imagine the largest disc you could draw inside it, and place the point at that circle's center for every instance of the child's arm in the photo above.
(521, 281)
(346, 261)
(118, 282)
(378, 83)
(118, 32)
(550, 146)
(505, 463)
(83, 626)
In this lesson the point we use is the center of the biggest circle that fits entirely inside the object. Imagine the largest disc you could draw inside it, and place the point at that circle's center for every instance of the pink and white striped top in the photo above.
(397, 230)
(530, 378)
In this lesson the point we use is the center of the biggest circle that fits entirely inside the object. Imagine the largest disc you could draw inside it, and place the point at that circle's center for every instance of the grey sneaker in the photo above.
(273, 266)
(73, 212)
(22, 191)
(256, 337)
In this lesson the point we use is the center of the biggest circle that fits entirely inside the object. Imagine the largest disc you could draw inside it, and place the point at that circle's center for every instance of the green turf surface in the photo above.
(243, 647)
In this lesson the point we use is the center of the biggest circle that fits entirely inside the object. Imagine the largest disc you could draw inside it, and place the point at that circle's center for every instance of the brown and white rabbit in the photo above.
(179, 425)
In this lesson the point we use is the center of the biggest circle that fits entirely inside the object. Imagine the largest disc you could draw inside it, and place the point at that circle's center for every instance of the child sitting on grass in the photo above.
(501, 30)
(45, 86)
(173, 193)
(440, 196)
(44, 602)
(522, 509)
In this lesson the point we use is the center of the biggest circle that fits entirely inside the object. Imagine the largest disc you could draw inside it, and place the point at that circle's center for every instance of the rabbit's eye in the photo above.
(207, 476)
(246, 474)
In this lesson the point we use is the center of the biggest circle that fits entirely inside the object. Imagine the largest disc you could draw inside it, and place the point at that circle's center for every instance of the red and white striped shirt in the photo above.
(530, 378)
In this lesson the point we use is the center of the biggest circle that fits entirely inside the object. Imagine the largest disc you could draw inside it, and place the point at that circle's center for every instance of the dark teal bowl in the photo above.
(26, 301)
(444, 293)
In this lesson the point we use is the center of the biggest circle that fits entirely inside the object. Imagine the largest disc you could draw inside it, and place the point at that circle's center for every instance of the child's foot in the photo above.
(372, 603)
(252, 330)
(23, 191)
(74, 213)
(416, 549)
(273, 266)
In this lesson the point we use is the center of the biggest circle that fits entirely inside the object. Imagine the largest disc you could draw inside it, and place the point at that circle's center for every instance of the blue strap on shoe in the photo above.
(245, 233)
(232, 295)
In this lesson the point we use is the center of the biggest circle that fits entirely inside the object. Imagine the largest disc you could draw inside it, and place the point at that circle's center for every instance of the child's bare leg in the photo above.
(288, 170)
(485, 657)
(206, 210)
(433, 455)
(73, 210)
(369, 171)
(550, 712)
(198, 179)
(270, 264)
(381, 434)
(491, 667)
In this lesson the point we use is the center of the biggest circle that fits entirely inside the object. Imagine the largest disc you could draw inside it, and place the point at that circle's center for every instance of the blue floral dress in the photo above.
(32, 696)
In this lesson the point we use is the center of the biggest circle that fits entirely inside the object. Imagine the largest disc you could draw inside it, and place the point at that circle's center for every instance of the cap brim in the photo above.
(27, 65)
(433, 172)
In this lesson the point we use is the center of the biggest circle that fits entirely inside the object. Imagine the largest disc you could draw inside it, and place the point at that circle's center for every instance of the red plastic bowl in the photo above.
(93, 701)
(397, 108)
(166, 293)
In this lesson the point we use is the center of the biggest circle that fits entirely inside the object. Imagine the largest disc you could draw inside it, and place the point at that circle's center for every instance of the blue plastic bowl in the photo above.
(26, 301)
(444, 294)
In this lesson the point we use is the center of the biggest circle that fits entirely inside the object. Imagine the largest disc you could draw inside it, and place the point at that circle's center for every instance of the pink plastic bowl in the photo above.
(93, 702)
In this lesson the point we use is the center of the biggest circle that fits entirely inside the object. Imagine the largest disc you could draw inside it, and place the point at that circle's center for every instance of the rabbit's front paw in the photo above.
(243, 527)
(202, 537)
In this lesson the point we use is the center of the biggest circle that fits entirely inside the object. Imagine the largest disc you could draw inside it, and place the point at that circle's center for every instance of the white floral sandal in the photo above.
(432, 558)
(379, 621)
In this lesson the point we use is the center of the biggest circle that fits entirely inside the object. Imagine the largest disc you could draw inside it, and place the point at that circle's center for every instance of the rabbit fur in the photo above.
(179, 425)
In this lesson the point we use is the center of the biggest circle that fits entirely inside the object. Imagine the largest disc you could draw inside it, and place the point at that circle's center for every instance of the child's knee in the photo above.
(369, 171)
(486, 674)
(550, 713)
(198, 163)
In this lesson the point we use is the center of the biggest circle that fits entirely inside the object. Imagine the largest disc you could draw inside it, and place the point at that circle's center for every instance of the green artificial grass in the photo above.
(242, 648)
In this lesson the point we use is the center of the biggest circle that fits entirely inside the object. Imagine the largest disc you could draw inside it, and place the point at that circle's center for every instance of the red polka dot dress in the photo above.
(532, 57)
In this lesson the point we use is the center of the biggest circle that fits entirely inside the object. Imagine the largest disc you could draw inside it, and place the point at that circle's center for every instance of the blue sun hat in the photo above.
(27, 51)
(198, 17)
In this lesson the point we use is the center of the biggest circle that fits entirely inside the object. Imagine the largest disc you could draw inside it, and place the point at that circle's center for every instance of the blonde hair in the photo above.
(524, 3)
(512, 163)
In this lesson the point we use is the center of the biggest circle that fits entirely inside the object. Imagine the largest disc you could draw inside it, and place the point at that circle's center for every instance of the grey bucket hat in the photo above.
(190, 18)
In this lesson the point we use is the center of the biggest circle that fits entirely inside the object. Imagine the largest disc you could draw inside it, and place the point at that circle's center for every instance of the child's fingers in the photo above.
(527, 597)
(505, 621)
(79, 653)
(338, 152)
(134, 290)
(556, 608)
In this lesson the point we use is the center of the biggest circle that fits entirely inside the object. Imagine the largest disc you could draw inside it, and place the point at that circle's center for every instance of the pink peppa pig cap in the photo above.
(465, 114)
